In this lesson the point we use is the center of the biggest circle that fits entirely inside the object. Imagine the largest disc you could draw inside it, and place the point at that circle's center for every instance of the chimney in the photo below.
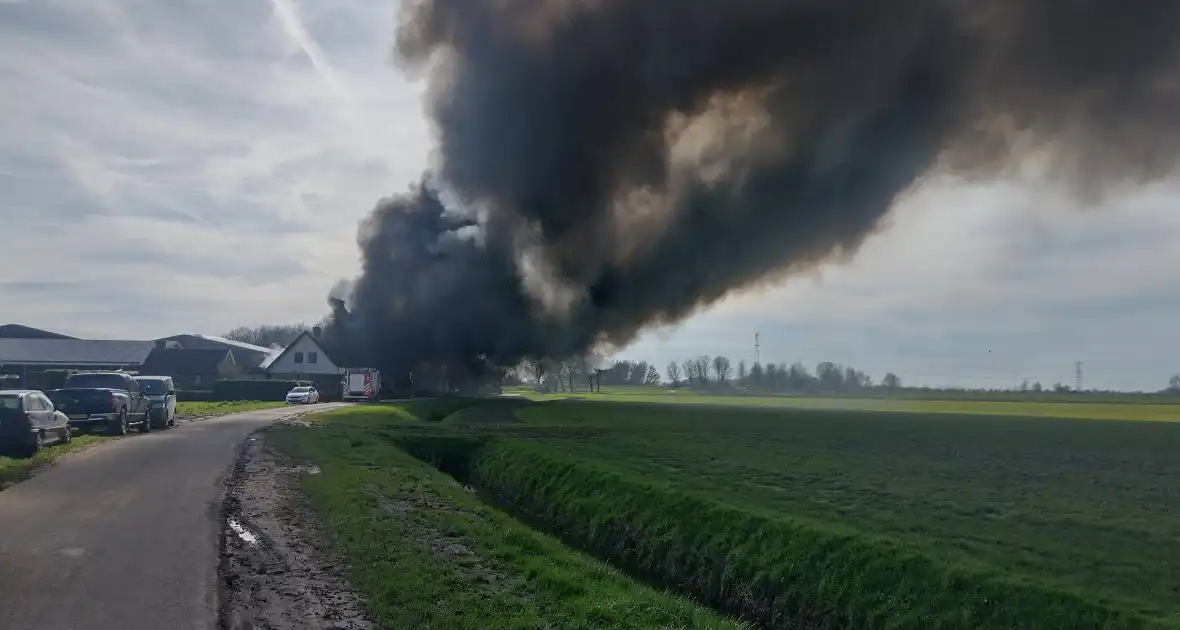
(316, 331)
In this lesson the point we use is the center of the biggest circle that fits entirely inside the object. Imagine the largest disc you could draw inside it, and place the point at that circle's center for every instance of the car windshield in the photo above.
(9, 401)
(84, 381)
(300, 390)
(152, 386)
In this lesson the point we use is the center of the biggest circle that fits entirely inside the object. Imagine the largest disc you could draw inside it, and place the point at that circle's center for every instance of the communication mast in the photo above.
(757, 351)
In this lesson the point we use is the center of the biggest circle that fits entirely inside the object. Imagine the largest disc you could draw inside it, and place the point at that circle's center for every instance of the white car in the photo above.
(303, 396)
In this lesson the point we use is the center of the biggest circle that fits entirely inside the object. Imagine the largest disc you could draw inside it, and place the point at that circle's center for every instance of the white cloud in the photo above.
(196, 165)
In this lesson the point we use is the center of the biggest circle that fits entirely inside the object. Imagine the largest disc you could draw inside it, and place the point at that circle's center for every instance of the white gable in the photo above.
(303, 357)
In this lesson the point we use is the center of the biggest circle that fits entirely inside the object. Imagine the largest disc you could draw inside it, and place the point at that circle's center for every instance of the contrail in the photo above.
(288, 14)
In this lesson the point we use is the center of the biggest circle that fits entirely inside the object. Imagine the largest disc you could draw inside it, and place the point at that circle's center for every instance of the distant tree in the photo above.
(703, 369)
(651, 375)
(797, 377)
(673, 374)
(1024, 385)
(770, 378)
(1036, 387)
(757, 376)
(830, 376)
(891, 381)
(722, 369)
(1174, 384)
(690, 371)
(268, 335)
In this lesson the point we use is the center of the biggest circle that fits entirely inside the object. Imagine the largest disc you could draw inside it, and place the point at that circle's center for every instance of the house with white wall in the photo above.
(302, 359)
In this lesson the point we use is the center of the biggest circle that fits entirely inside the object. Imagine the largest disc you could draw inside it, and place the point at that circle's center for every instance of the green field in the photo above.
(1098, 409)
(830, 518)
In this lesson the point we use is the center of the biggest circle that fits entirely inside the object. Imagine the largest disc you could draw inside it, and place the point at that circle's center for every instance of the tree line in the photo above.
(701, 372)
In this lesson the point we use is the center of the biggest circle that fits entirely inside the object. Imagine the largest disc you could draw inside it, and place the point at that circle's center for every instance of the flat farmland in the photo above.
(1158, 409)
(1087, 506)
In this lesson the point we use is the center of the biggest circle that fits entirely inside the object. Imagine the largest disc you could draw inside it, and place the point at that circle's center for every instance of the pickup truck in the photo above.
(110, 402)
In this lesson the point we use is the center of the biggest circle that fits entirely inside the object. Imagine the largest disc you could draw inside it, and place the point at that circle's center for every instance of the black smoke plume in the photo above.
(618, 164)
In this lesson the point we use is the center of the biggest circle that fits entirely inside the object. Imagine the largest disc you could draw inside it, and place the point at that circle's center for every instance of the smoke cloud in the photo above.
(611, 165)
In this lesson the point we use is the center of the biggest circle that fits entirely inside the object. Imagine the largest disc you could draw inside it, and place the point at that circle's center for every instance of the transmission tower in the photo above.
(1077, 375)
(757, 350)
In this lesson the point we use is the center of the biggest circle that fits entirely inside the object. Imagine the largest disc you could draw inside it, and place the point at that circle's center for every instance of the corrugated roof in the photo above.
(184, 361)
(19, 331)
(238, 344)
(73, 352)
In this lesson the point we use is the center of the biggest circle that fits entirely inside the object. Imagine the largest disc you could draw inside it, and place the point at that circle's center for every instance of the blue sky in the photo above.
(194, 166)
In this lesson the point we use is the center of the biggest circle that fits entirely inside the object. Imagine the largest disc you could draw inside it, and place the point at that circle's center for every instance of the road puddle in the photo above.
(243, 533)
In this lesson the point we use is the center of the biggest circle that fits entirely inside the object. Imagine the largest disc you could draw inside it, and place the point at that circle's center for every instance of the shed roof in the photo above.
(183, 361)
(73, 352)
(19, 331)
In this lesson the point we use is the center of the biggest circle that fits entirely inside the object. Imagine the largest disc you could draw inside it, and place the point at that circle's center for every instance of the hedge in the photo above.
(195, 395)
(776, 571)
(252, 389)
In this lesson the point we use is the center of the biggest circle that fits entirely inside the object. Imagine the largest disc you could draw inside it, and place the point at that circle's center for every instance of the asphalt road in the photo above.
(123, 535)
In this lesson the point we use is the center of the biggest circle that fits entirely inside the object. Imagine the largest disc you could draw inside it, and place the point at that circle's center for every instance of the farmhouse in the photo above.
(304, 359)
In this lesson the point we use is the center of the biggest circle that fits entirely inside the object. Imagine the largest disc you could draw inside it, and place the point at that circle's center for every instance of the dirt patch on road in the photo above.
(273, 572)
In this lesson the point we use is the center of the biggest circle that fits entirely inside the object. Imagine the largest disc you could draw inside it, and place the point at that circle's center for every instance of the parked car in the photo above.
(28, 422)
(162, 393)
(103, 401)
(303, 395)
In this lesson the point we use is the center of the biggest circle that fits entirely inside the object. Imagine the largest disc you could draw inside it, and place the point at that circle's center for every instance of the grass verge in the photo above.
(204, 409)
(16, 469)
(428, 553)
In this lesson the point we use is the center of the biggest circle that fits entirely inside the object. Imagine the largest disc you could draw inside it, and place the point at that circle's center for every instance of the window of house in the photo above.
(312, 357)
(299, 357)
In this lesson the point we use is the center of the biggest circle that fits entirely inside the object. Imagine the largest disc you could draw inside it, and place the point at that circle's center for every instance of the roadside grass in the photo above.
(828, 518)
(427, 553)
(17, 469)
(1160, 412)
(200, 409)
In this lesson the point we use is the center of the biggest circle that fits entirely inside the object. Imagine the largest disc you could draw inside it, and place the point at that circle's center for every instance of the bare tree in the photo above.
(690, 371)
(1174, 383)
(891, 381)
(703, 369)
(267, 335)
(673, 373)
(742, 372)
(651, 376)
(722, 368)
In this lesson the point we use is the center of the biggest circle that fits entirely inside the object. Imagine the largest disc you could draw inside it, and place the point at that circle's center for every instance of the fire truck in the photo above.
(361, 384)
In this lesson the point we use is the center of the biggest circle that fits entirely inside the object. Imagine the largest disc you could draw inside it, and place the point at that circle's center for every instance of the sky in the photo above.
(193, 166)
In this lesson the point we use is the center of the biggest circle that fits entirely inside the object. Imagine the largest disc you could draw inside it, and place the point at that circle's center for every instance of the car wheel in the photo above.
(35, 446)
(68, 436)
(146, 425)
(120, 427)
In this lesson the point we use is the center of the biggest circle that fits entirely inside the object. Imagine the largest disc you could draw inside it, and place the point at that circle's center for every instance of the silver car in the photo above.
(303, 395)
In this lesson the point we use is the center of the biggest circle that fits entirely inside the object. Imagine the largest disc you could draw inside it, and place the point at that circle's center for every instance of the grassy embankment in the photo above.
(787, 517)
(14, 469)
